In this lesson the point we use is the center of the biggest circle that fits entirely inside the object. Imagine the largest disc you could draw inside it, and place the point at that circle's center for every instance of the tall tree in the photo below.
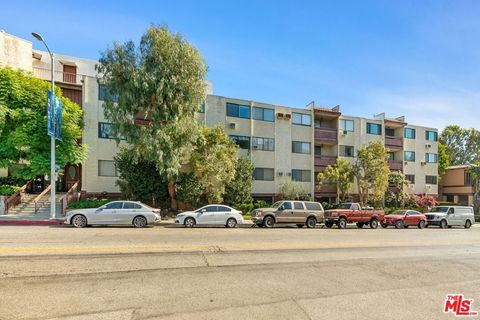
(371, 172)
(396, 196)
(239, 190)
(213, 161)
(341, 175)
(161, 81)
(23, 126)
(443, 159)
(462, 145)
(293, 190)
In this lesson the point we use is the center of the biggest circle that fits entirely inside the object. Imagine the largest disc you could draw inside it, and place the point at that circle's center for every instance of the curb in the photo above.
(54, 222)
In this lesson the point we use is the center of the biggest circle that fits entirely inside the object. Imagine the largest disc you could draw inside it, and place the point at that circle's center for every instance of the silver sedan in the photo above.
(115, 213)
(211, 214)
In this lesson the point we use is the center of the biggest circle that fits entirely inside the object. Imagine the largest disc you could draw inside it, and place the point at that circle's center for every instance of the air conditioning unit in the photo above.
(287, 116)
(423, 163)
(406, 162)
(255, 147)
(233, 125)
(279, 115)
(428, 145)
(411, 186)
(289, 174)
(280, 173)
(344, 132)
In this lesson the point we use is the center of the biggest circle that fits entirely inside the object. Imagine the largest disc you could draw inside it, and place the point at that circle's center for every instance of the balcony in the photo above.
(395, 165)
(320, 190)
(393, 143)
(59, 76)
(326, 135)
(324, 161)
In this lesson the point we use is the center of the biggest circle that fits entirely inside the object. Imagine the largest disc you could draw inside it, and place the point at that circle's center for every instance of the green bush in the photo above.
(8, 190)
(246, 208)
(12, 181)
(85, 204)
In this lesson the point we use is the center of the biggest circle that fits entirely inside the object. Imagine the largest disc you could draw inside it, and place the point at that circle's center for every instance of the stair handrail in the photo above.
(16, 197)
(39, 197)
(71, 194)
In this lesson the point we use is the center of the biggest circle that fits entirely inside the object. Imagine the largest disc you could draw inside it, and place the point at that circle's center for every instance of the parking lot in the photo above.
(169, 272)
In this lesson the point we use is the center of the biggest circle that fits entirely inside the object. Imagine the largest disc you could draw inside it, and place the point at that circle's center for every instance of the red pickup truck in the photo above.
(353, 213)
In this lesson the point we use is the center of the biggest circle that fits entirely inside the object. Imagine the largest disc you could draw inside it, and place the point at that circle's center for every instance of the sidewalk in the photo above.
(28, 220)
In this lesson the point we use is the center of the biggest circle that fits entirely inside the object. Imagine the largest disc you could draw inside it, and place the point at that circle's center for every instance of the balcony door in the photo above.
(69, 73)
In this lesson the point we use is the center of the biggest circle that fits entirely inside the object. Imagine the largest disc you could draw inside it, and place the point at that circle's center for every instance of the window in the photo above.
(131, 205)
(374, 128)
(103, 93)
(242, 141)
(431, 157)
(431, 135)
(409, 133)
(301, 175)
(468, 178)
(107, 168)
(301, 147)
(409, 156)
(263, 114)
(287, 205)
(210, 208)
(238, 110)
(389, 132)
(450, 198)
(347, 125)
(431, 179)
(264, 174)
(391, 156)
(463, 199)
(346, 151)
(202, 108)
(313, 206)
(318, 151)
(301, 119)
(223, 209)
(105, 131)
(114, 205)
(265, 144)
(410, 178)
(298, 205)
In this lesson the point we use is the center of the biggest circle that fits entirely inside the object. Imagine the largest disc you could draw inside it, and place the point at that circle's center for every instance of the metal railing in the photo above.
(37, 201)
(15, 198)
(60, 76)
(72, 194)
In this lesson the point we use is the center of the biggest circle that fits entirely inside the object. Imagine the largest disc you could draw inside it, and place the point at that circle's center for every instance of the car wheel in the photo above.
(300, 225)
(231, 223)
(399, 224)
(139, 222)
(268, 222)
(468, 224)
(79, 221)
(328, 224)
(359, 225)
(311, 222)
(342, 223)
(421, 224)
(189, 222)
(384, 225)
(406, 227)
(259, 225)
(374, 223)
(443, 224)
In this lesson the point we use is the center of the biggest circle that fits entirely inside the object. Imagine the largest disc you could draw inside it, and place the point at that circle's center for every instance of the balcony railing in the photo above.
(326, 135)
(392, 142)
(59, 76)
(324, 161)
(396, 165)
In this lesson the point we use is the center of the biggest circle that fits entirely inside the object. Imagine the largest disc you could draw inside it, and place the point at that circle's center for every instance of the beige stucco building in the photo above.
(456, 186)
(283, 142)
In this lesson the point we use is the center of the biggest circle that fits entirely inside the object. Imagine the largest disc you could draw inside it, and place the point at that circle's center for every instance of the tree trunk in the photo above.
(172, 194)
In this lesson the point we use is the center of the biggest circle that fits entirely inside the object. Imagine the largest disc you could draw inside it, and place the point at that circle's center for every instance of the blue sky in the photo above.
(415, 58)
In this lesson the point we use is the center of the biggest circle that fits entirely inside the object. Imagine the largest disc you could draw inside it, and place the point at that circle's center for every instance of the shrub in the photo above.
(425, 201)
(260, 204)
(12, 181)
(246, 208)
(8, 190)
(85, 204)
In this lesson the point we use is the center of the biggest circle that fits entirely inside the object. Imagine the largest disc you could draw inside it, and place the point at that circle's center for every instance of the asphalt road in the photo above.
(243, 273)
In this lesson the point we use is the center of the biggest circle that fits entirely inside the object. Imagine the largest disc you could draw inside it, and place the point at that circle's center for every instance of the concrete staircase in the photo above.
(26, 208)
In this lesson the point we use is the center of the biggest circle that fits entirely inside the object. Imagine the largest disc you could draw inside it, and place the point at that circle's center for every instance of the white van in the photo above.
(447, 216)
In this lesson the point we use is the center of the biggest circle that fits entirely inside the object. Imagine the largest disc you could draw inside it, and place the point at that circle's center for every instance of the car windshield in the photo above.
(439, 209)
(345, 206)
(399, 212)
(277, 204)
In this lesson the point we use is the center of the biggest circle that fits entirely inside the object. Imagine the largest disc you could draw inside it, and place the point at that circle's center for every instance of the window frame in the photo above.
(234, 136)
(255, 143)
(263, 114)
(344, 154)
(410, 181)
(302, 144)
(405, 156)
(102, 175)
(427, 135)
(302, 172)
(373, 124)
(428, 176)
(414, 131)
(237, 112)
(435, 157)
(302, 115)
(263, 174)
(343, 125)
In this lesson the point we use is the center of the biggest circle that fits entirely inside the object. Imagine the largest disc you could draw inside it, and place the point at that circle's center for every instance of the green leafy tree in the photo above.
(239, 190)
(396, 196)
(190, 191)
(443, 159)
(462, 145)
(475, 174)
(371, 172)
(293, 190)
(163, 82)
(23, 126)
(341, 175)
(140, 179)
(213, 161)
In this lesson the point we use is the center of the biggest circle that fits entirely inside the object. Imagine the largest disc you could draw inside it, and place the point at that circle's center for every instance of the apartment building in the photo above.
(284, 143)
(457, 186)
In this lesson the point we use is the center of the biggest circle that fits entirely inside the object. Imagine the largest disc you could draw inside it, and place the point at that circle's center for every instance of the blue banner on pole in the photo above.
(58, 119)
(50, 114)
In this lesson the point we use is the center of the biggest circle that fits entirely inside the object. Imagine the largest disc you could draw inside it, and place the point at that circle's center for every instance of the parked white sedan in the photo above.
(115, 213)
(211, 214)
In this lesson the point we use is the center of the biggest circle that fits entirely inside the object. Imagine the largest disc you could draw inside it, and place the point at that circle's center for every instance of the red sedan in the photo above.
(405, 218)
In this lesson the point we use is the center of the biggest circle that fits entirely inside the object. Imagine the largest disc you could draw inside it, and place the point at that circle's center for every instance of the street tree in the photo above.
(239, 190)
(293, 190)
(397, 196)
(462, 145)
(371, 172)
(213, 161)
(152, 93)
(443, 159)
(23, 126)
(341, 175)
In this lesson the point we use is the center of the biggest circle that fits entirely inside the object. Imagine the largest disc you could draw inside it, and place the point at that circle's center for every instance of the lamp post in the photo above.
(52, 138)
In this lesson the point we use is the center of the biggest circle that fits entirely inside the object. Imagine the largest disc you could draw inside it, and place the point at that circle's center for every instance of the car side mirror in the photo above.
(203, 210)
(281, 208)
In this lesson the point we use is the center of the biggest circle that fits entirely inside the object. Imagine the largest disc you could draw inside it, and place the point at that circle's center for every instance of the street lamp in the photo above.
(52, 138)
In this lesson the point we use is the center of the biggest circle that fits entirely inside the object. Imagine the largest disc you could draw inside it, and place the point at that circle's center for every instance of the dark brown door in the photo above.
(73, 173)
(73, 95)
(69, 74)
